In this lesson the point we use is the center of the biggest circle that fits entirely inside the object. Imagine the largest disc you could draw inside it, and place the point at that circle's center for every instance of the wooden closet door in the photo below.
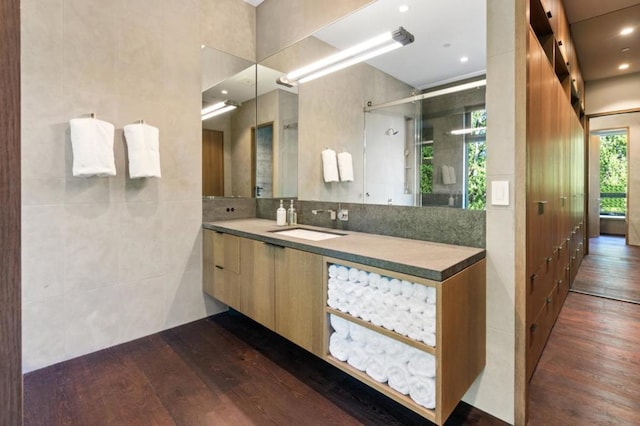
(212, 162)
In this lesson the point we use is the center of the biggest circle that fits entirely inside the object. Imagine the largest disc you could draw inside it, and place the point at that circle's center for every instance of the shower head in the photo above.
(391, 131)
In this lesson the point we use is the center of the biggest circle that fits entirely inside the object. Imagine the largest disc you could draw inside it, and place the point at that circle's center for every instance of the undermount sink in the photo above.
(308, 234)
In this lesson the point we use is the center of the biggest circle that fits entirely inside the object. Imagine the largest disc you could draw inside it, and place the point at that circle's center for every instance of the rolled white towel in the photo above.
(431, 295)
(430, 310)
(340, 325)
(429, 324)
(375, 344)
(398, 377)
(374, 279)
(402, 322)
(407, 288)
(333, 282)
(339, 347)
(396, 287)
(365, 315)
(384, 285)
(377, 368)
(333, 271)
(357, 333)
(330, 166)
(423, 391)
(420, 292)
(343, 307)
(363, 278)
(389, 319)
(343, 272)
(414, 332)
(345, 166)
(353, 274)
(422, 364)
(416, 305)
(358, 358)
(401, 303)
(355, 309)
(429, 339)
(376, 319)
(333, 303)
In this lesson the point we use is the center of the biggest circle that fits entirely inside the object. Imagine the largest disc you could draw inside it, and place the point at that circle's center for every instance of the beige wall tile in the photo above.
(230, 26)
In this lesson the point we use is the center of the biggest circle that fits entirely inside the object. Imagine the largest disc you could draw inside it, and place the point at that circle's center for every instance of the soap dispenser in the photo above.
(281, 215)
(292, 215)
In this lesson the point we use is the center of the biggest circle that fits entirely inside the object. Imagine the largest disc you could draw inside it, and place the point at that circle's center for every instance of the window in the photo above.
(613, 173)
(476, 160)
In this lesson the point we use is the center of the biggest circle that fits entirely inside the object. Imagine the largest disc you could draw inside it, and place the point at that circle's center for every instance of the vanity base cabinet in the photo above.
(221, 270)
(459, 347)
(299, 298)
(257, 282)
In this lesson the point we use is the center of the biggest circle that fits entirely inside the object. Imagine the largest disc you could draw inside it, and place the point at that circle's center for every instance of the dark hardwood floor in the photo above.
(610, 270)
(589, 371)
(224, 370)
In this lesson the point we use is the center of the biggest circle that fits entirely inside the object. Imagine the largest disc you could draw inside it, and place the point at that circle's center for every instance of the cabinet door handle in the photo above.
(533, 278)
(219, 267)
(559, 282)
(541, 204)
(548, 300)
(533, 327)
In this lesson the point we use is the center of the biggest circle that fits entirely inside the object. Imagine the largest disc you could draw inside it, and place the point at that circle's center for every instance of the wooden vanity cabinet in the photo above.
(299, 298)
(221, 269)
(281, 288)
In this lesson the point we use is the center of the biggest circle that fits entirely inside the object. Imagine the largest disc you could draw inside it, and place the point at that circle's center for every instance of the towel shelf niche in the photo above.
(459, 329)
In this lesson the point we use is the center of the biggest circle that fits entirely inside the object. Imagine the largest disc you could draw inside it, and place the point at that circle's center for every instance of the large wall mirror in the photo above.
(412, 119)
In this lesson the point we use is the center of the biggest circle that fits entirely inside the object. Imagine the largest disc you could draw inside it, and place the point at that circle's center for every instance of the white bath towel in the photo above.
(428, 324)
(396, 287)
(429, 338)
(407, 288)
(339, 347)
(431, 295)
(329, 166)
(375, 344)
(333, 271)
(429, 310)
(384, 284)
(353, 274)
(363, 277)
(452, 174)
(358, 357)
(358, 333)
(143, 147)
(333, 303)
(416, 305)
(340, 325)
(398, 378)
(343, 272)
(422, 364)
(345, 166)
(446, 180)
(333, 283)
(374, 279)
(377, 368)
(92, 145)
(423, 391)
(420, 292)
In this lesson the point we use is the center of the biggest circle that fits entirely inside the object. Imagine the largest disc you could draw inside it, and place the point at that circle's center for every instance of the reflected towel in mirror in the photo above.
(329, 166)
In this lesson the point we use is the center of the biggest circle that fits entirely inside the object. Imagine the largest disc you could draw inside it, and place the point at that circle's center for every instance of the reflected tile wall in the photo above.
(107, 260)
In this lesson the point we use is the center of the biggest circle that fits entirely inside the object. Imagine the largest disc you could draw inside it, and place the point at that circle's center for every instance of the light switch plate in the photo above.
(500, 193)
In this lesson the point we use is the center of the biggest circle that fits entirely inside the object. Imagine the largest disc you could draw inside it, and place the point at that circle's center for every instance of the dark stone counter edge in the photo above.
(365, 260)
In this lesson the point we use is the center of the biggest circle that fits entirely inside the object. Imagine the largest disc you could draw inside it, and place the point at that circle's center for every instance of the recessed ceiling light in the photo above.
(626, 31)
(625, 49)
(464, 59)
(403, 8)
(224, 92)
(623, 66)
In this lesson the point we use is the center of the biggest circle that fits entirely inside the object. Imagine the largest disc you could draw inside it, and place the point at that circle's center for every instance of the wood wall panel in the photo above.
(10, 303)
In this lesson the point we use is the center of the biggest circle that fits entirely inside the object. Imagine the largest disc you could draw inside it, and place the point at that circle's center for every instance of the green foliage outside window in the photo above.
(613, 174)
(426, 170)
(477, 164)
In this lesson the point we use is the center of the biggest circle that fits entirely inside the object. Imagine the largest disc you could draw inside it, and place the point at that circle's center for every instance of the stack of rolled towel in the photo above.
(407, 308)
(404, 368)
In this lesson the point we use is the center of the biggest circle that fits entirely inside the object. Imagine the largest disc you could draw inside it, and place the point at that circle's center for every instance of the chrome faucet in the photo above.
(331, 212)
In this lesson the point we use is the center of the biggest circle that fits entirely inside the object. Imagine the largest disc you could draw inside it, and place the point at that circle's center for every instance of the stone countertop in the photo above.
(425, 259)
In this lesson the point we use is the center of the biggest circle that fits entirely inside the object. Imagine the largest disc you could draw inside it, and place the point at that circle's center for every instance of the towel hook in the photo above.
(92, 115)
(141, 121)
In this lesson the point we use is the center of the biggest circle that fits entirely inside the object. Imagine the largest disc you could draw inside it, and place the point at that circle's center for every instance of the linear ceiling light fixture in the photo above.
(360, 52)
(218, 108)
(469, 131)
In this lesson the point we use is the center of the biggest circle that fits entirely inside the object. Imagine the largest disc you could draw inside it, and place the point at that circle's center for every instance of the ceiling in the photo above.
(595, 28)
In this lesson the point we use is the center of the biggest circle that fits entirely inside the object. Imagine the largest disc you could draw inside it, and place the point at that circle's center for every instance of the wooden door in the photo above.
(212, 162)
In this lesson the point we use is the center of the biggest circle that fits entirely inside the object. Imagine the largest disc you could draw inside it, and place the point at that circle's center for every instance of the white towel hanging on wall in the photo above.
(143, 148)
(345, 166)
(92, 145)
(329, 166)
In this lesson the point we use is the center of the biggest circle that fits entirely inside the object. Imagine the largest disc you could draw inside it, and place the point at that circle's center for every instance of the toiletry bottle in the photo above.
(281, 215)
(451, 200)
(292, 216)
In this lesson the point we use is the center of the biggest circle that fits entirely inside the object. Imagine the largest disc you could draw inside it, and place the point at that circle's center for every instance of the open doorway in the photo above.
(609, 175)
